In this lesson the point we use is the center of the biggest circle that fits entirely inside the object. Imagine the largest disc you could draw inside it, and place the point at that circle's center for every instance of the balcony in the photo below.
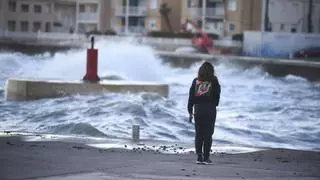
(133, 11)
(210, 12)
(88, 16)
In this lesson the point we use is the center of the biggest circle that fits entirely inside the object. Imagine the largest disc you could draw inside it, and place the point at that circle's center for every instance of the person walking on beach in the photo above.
(204, 96)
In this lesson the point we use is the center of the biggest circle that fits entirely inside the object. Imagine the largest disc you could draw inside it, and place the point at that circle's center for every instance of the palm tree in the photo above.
(310, 16)
(165, 11)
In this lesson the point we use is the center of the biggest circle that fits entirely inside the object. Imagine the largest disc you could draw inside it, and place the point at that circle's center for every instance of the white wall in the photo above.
(277, 45)
(287, 14)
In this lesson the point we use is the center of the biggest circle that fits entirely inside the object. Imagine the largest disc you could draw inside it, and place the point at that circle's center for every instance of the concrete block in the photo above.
(24, 89)
(16, 90)
(277, 67)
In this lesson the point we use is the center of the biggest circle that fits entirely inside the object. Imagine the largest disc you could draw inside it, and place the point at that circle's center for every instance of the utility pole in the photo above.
(204, 5)
(310, 16)
(77, 17)
(126, 26)
(266, 17)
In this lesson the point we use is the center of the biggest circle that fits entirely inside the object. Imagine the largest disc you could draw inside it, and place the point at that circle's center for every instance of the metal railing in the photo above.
(133, 11)
(217, 12)
(87, 16)
(41, 36)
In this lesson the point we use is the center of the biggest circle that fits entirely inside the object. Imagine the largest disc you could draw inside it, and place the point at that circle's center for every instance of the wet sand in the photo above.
(62, 160)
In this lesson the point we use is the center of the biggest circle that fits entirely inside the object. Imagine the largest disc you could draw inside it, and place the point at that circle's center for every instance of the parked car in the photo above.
(308, 52)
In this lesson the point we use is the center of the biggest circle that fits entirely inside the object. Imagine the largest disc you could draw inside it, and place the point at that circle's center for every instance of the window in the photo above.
(57, 24)
(232, 27)
(37, 8)
(81, 28)
(141, 22)
(154, 4)
(24, 26)
(82, 8)
(293, 29)
(24, 7)
(48, 8)
(11, 26)
(152, 24)
(36, 26)
(281, 27)
(199, 23)
(93, 8)
(48, 27)
(190, 3)
(232, 5)
(12, 5)
(215, 25)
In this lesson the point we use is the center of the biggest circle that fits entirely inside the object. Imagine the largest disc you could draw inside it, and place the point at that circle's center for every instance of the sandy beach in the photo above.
(62, 160)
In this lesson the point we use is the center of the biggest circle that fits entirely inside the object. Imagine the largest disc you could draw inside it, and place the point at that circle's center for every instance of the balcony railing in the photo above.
(210, 12)
(41, 35)
(87, 16)
(133, 11)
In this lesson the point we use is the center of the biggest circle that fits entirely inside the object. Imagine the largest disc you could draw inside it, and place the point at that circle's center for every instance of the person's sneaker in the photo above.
(199, 160)
(207, 161)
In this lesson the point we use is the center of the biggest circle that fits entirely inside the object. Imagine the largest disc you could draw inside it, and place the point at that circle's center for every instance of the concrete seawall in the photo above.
(33, 43)
(33, 47)
(23, 89)
(277, 67)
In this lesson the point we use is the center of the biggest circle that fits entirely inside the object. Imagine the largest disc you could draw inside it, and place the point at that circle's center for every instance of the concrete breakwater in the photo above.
(32, 89)
(37, 47)
(53, 42)
(276, 67)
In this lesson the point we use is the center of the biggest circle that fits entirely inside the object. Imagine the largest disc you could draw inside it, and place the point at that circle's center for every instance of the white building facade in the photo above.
(63, 16)
(292, 16)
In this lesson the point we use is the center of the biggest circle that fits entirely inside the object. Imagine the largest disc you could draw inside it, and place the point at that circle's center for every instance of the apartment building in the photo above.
(123, 16)
(207, 14)
(50, 15)
(134, 16)
(139, 16)
(26, 16)
(68, 16)
(242, 15)
(222, 17)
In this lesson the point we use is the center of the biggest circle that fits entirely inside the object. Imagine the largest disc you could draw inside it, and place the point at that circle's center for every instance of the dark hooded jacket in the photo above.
(204, 93)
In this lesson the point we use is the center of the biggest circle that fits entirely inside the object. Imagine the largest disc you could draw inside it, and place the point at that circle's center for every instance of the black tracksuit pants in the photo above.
(205, 118)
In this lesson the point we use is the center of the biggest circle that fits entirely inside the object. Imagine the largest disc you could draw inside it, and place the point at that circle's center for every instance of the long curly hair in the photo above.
(206, 72)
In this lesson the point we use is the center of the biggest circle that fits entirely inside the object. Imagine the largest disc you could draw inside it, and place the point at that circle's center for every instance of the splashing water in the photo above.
(256, 110)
